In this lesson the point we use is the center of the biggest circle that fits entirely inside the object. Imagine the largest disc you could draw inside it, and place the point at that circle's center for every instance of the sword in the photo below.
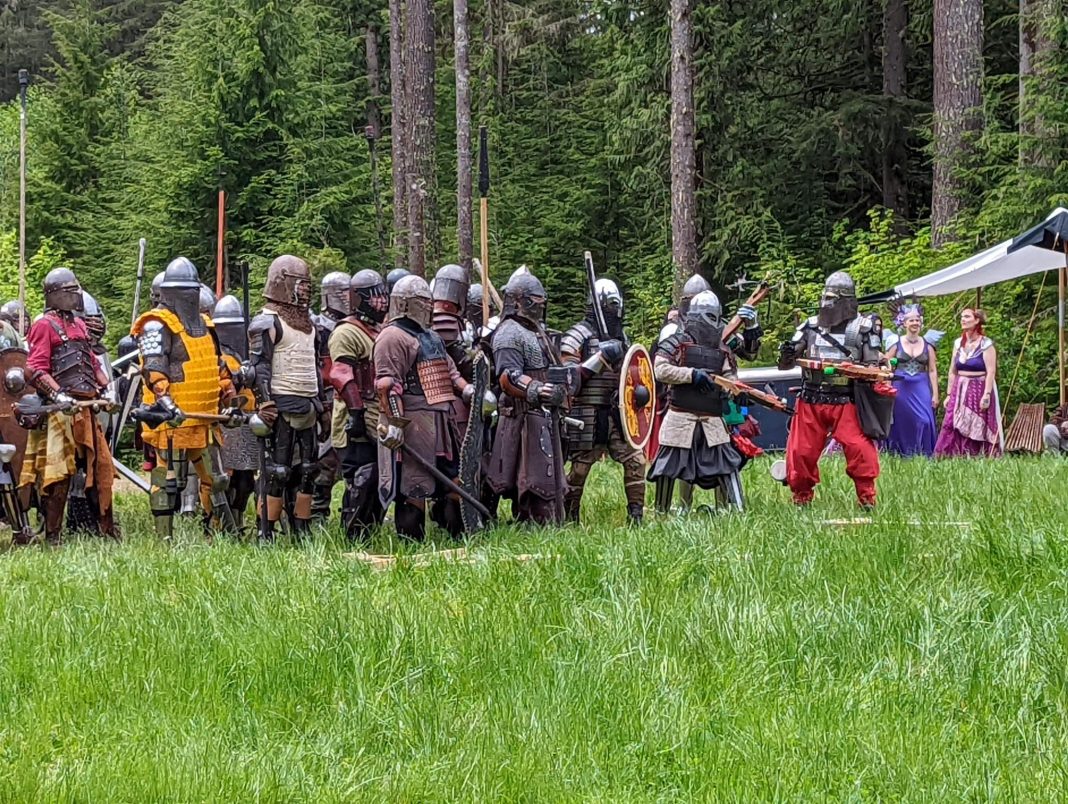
(131, 475)
(131, 394)
(140, 280)
(598, 313)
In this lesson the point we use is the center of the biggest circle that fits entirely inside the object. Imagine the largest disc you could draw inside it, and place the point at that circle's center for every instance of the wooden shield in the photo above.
(12, 361)
(637, 396)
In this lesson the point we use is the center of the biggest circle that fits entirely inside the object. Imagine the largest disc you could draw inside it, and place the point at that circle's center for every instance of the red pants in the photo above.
(811, 427)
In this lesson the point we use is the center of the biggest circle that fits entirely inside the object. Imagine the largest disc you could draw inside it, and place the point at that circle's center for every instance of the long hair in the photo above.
(980, 316)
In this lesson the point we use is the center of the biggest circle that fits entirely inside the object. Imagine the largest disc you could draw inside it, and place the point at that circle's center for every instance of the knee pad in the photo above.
(159, 498)
(219, 484)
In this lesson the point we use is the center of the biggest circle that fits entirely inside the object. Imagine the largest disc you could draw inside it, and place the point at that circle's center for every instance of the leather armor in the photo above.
(710, 359)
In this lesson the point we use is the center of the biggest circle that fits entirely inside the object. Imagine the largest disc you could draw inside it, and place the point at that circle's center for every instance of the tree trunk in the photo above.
(683, 154)
(895, 151)
(464, 230)
(398, 131)
(1036, 49)
(420, 85)
(958, 77)
(374, 81)
(416, 225)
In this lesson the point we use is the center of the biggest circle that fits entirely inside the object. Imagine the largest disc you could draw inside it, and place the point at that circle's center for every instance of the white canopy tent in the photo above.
(1042, 248)
(996, 264)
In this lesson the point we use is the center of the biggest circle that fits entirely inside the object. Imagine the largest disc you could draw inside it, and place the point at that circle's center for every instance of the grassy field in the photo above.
(773, 655)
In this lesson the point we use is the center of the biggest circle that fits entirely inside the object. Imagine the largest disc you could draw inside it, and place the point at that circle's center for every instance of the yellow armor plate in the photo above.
(199, 392)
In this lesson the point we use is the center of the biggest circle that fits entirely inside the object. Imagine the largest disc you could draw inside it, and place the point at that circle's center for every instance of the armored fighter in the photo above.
(335, 305)
(696, 445)
(417, 383)
(66, 375)
(13, 314)
(283, 353)
(597, 403)
(355, 418)
(241, 449)
(526, 463)
(826, 407)
(186, 383)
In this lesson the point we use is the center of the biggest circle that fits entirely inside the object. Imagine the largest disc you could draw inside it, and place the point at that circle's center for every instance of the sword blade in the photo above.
(131, 475)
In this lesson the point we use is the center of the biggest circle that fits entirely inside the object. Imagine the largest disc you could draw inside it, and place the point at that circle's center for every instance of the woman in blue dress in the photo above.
(914, 430)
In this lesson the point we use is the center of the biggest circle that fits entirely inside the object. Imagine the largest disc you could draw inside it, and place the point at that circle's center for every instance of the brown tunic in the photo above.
(431, 432)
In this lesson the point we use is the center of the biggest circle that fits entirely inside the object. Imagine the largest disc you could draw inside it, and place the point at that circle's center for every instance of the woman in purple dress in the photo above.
(916, 380)
(972, 426)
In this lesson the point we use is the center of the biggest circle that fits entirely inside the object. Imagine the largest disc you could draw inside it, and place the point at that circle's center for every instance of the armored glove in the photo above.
(235, 418)
(551, 394)
(268, 411)
(174, 413)
(748, 314)
(701, 381)
(64, 400)
(612, 351)
(391, 436)
(468, 393)
(356, 425)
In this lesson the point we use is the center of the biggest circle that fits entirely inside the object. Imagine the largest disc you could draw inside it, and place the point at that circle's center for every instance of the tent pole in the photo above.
(1062, 279)
(978, 298)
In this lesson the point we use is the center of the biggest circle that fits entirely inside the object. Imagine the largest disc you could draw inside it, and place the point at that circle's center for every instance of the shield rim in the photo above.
(20, 434)
(624, 372)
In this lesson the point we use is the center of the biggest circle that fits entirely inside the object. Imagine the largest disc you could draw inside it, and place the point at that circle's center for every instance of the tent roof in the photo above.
(1029, 253)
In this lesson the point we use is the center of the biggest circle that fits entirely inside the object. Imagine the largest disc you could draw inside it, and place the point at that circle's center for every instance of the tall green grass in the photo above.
(763, 656)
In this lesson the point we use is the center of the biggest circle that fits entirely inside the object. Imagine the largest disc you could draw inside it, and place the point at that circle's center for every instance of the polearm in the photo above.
(141, 245)
(371, 137)
(220, 248)
(24, 82)
(245, 292)
(483, 217)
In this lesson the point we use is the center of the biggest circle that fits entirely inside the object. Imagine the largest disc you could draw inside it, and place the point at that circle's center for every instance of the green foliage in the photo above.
(43, 259)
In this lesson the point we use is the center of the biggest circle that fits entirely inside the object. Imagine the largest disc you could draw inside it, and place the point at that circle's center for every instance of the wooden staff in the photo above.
(220, 249)
(24, 82)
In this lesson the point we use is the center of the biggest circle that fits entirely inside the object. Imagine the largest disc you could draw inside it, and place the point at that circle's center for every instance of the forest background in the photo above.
(779, 138)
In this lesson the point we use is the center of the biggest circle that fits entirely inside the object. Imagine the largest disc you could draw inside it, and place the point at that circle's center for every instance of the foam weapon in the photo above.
(878, 375)
(756, 297)
(30, 405)
(155, 415)
(598, 313)
(738, 388)
(141, 245)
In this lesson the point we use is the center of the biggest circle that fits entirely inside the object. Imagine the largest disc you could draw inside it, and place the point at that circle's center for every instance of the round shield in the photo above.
(12, 362)
(637, 396)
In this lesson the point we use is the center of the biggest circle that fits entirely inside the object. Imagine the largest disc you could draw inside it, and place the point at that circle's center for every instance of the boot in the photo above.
(635, 511)
(54, 503)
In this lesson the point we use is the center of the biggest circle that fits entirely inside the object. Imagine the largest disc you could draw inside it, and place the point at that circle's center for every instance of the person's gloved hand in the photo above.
(552, 395)
(612, 351)
(174, 413)
(356, 425)
(468, 393)
(268, 411)
(748, 314)
(701, 381)
(391, 436)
